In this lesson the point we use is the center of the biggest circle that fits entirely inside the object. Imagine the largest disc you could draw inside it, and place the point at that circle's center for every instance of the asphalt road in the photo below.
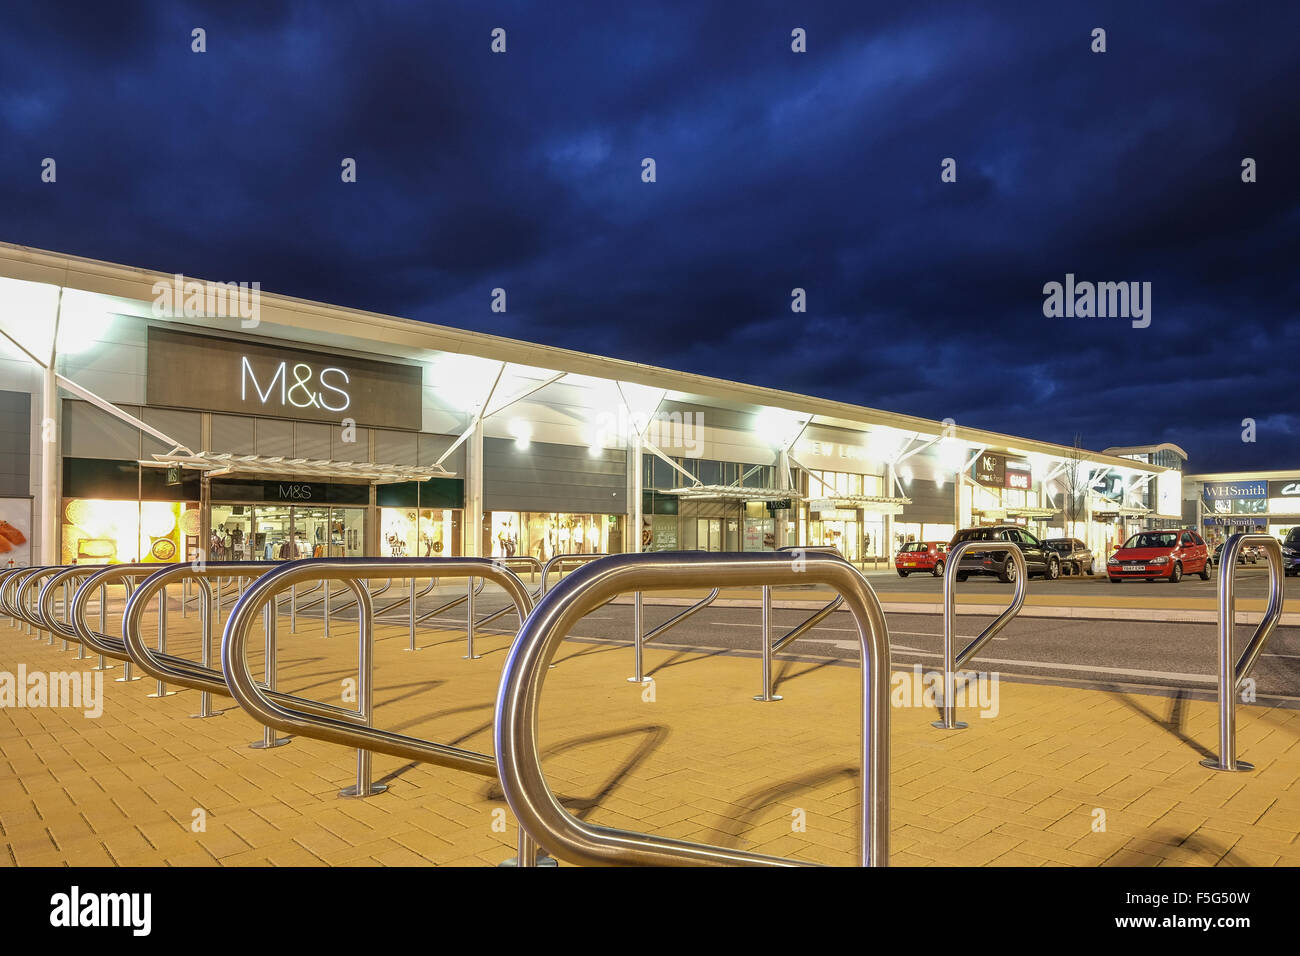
(1128, 655)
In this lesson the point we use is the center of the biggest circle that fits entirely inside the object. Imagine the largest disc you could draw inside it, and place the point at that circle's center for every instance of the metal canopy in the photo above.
(733, 493)
(857, 501)
(215, 465)
(1033, 512)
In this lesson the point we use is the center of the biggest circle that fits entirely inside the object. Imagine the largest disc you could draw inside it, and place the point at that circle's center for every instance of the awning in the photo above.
(732, 493)
(280, 467)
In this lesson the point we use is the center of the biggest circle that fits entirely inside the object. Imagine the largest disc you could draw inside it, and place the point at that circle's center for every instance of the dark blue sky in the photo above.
(775, 170)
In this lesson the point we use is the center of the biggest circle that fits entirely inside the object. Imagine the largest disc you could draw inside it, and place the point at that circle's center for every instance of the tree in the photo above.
(1075, 486)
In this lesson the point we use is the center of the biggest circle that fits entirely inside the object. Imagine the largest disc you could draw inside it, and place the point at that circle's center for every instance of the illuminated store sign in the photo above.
(1237, 489)
(998, 471)
(302, 384)
(1288, 488)
(189, 370)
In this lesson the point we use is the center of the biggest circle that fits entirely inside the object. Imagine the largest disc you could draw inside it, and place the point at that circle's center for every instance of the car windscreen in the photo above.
(914, 546)
(1153, 539)
(978, 534)
(1058, 544)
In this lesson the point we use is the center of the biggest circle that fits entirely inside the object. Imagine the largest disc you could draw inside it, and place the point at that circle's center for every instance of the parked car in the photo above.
(1152, 555)
(930, 557)
(1291, 553)
(1039, 559)
(1076, 557)
(1244, 556)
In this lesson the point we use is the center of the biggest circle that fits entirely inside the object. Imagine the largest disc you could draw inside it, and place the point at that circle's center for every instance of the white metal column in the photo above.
(635, 494)
(474, 491)
(51, 479)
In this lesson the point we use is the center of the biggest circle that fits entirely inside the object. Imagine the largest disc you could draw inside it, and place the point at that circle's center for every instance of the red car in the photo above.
(928, 556)
(1164, 555)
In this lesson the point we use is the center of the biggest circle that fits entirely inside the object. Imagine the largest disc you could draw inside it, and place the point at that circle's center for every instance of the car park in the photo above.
(1076, 557)
(926, 557)
(1039, 559)
(1160, 555)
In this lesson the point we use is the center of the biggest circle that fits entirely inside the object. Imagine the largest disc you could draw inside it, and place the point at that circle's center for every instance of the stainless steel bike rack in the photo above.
(950, 661)
(195, 675)
(101, 643)
(519, 699)
(560, 560)
(200, 676)
(45, 609)
(7, 575)
(22, 586)
(638, 626)
(771, 647)
(353, 728)
(1233, 675)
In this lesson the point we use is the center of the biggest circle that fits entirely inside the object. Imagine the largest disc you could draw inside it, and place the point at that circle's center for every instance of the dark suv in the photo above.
(1291, 552)
(1076, 557)
(1039, 559)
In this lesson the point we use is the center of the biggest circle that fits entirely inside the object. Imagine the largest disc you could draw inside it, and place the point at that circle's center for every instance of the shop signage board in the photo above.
(189, 370)
(1236, 521)
(1236, 489)
(1287, 488)
(1019, 475)
(993, 470)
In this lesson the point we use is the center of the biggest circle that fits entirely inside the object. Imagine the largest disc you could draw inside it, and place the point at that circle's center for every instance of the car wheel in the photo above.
(1205, 571)
(1008, 573)
(902, 574)
(1089, 572)
(961, 576)
(938, 569)
(1176, 573)
(1113, 579)
(1053, 570)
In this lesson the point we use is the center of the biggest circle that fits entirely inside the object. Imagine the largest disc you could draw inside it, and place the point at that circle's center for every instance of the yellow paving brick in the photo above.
(703, 762)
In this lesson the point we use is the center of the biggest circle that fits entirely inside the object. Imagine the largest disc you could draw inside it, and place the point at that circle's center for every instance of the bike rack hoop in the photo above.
(519, 699)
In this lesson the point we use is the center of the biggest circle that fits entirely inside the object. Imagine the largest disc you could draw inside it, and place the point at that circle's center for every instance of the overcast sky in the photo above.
(774, 170)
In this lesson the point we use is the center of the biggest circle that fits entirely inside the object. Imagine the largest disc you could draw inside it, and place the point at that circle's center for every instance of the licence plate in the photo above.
(1135, 567)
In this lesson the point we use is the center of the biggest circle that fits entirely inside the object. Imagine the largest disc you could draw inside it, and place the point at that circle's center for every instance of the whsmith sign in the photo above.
(253, 378)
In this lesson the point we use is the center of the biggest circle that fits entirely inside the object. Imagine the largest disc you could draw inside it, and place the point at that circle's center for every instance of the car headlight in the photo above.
(1158, 561)
(1290, 552)
(1113, 561)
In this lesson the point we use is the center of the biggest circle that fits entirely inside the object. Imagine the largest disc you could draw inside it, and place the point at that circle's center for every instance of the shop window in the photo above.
(104, 531)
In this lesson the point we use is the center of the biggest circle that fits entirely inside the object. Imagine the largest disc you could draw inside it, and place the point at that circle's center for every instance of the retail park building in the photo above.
(146, 430)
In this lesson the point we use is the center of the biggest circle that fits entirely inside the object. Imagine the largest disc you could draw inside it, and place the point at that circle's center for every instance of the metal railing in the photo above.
(953, 661)
(519, 699)
(1233, 674)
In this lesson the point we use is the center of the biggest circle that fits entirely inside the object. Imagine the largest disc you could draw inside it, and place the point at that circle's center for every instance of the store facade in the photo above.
(1240, 503)
(317, 431)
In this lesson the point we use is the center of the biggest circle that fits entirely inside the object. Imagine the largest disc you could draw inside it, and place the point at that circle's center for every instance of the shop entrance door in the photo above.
(270, 532)
(708, 534)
